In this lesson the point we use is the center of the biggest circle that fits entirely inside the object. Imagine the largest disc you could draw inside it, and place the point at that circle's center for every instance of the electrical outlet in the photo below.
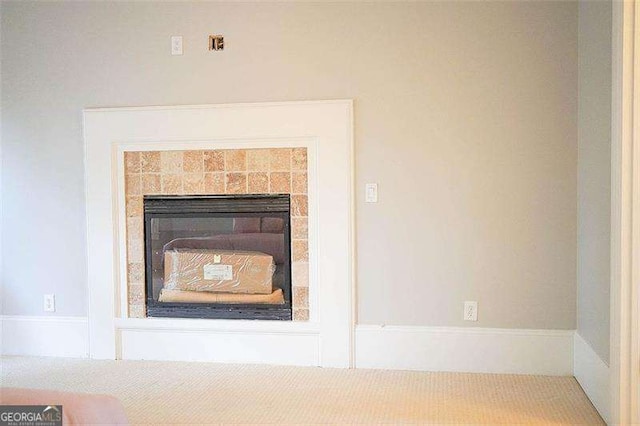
(471, 311)
(49, 303)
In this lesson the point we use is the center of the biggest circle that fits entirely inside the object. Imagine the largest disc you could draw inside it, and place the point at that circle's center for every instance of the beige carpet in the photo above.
(192, 393)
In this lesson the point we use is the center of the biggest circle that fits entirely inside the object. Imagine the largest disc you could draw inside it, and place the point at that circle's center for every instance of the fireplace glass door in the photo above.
(226, 257)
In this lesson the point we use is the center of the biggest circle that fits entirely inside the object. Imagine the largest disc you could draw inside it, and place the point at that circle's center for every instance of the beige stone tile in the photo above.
(135, 273)
(299, 183)
(299, 205)
(135, 251)
(193, 183)
(131, 162)
(258, 183)
(280, 182)
(135, 229)
(193, 161)
(150, 162)
(213, 161)
(279, 159)
(132, 184)
(171, 184)
(134, 206)
(150, 183)
(136, 294)
(136, 311)
(301, 297)
(171, 161)
(300, 250)
(300, 274)
(258, 160)
(235, 160)
(236, 183)
(214, 183)
(299, 228)
(299, 159)
(301, 315)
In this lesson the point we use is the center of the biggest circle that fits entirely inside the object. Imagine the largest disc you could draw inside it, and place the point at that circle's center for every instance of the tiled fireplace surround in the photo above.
(230, 171)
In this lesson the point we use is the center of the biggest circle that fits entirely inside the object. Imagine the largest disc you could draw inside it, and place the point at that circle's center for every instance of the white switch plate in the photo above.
(371, 193)
(471, 311)
(49, 303)
(176, 45)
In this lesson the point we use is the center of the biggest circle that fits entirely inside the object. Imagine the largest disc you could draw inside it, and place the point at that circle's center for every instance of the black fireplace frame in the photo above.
(167, 206)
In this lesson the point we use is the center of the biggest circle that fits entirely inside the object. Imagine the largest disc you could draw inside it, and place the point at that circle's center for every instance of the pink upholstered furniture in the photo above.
(77, 408)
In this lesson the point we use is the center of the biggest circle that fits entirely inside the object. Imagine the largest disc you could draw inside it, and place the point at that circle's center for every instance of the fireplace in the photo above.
(218, 256)
(299, 148)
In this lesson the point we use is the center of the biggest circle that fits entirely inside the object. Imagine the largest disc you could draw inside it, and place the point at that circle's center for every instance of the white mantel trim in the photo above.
(328, 128)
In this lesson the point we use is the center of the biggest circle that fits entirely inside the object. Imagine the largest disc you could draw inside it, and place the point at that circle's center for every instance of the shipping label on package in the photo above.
(218, 272)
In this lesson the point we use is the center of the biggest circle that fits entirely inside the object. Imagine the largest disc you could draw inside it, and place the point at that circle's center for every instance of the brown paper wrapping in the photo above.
(218, 271)
(180, 296)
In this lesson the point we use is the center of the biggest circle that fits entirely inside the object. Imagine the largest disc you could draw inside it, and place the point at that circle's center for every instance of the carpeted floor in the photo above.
(189, 393)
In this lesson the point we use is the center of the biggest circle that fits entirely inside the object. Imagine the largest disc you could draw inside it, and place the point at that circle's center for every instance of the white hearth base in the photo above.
(251, 342)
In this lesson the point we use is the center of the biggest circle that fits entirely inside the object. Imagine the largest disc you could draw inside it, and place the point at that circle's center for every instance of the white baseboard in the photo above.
(44, 336)
(476, 350)
(548, 352)
(242, 342)
(592, 374)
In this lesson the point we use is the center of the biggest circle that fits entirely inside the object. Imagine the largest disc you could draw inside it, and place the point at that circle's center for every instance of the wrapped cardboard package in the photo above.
(275, 298)
(218, 271)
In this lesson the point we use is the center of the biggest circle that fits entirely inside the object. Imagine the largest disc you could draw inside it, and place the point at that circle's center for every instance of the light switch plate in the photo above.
(176, 45)
(371, 193)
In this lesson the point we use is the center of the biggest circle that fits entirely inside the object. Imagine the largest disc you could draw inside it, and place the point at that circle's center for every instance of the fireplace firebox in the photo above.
(218, 256)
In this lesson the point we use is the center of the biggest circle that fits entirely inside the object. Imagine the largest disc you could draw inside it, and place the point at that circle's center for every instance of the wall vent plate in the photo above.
(216, 42)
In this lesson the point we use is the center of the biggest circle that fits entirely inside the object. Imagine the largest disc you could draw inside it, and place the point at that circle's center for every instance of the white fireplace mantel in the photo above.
(326, 129)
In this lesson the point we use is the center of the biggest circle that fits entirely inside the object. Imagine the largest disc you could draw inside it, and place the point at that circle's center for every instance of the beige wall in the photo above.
(594, 174)
(465, 115)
